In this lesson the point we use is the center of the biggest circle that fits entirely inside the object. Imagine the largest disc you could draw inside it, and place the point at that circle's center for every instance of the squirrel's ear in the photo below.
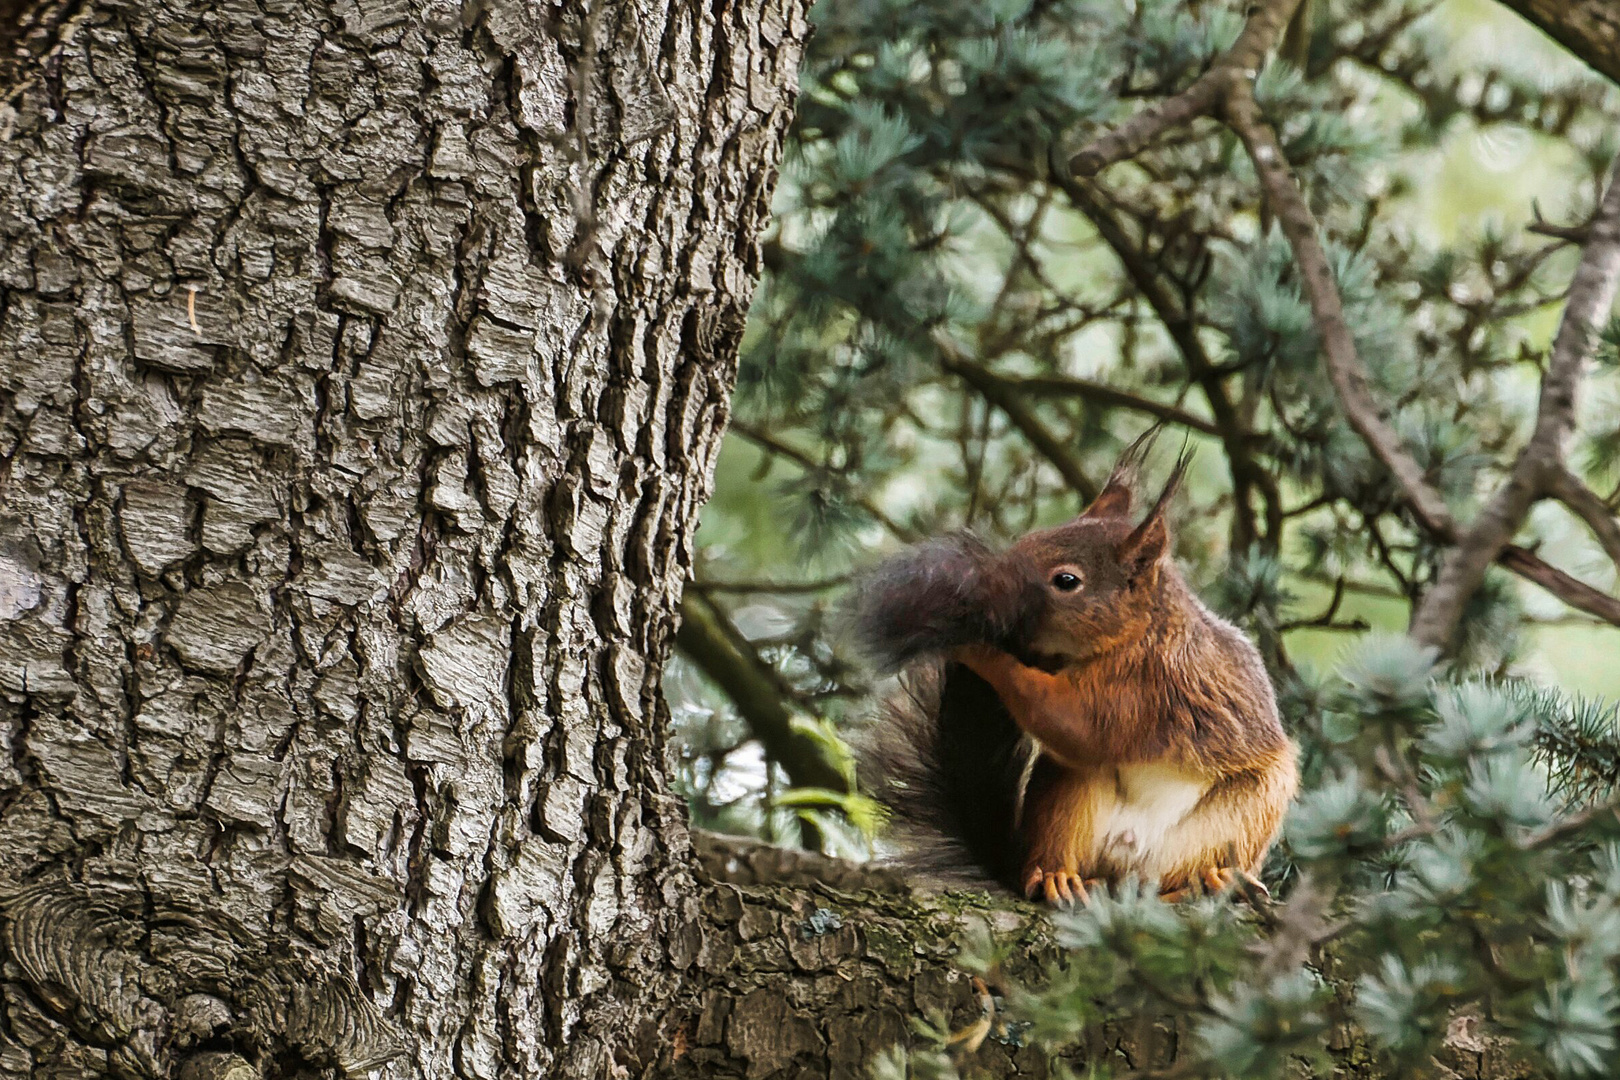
(1113, 501)
(1149, 542)
(1120, 490)
(1145, 547)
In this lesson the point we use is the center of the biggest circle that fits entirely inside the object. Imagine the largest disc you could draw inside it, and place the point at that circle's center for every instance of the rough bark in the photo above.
(810, 967)
(363, 364)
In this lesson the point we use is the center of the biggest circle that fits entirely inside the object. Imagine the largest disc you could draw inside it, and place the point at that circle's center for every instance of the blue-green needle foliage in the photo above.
(952, 331)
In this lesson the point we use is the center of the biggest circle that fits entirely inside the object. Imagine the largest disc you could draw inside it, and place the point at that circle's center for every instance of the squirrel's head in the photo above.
(1062, 593)
(1102, 575)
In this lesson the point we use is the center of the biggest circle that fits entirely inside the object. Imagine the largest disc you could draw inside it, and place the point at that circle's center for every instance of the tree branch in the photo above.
(1572, 591)
(1178, 322)
(1344, 367)
(1589, 506)
(1202, 98)
(719, 650)
(1540, 465)
(1588, 28)
(1227, 90)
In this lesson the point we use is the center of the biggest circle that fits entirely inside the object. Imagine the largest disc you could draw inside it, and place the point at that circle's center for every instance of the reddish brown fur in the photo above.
(1141, 701)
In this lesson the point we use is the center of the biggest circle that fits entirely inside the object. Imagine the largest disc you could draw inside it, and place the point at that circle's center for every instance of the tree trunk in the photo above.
(363, 369)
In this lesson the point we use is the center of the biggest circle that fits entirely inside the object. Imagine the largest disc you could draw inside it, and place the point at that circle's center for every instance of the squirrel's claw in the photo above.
(1217, 879)
(1253, 886)
(1060, 888)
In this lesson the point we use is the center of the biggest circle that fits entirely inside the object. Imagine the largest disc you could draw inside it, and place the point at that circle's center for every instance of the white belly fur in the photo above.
(1137, 812)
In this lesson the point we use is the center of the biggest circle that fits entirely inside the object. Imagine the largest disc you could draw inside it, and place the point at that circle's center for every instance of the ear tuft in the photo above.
(1150, 541)
(1120, 489)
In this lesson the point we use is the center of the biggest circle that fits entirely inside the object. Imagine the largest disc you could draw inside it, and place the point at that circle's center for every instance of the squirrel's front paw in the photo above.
(1060, 887)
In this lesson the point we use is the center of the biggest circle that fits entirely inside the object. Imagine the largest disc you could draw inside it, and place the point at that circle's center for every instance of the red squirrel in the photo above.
(1069, 713)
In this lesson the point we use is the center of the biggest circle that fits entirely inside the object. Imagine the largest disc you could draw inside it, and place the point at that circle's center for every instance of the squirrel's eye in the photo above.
(1065, 581)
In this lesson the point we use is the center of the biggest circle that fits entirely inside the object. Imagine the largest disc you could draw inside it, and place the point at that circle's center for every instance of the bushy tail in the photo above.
(948, 761)
(941, 594)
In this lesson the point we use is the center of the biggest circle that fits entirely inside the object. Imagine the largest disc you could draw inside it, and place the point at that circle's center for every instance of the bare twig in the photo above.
(781, 587)
(1573, 824)
(1104, 394)
(1005, 396)
(1574, 234)
(1572, 591)
(1325, 621)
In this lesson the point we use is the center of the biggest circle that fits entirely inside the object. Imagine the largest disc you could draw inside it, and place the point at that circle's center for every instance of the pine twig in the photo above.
(1227, 91)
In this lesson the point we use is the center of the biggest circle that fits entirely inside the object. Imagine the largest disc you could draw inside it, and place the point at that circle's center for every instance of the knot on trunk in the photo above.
(149, 979)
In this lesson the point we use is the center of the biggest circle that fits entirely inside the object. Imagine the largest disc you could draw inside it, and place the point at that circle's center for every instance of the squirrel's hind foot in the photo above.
(1061, 888)
(1217, 879)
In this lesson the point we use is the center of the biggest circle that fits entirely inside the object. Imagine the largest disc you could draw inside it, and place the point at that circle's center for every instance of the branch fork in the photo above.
(1226, 92)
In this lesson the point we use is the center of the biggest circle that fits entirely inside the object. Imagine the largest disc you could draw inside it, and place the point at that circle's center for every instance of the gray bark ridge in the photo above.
(362, 365)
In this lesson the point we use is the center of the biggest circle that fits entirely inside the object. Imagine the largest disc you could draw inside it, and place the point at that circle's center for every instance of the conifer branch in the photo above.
(1539, 469)
(1237, 65)
(1227, 91)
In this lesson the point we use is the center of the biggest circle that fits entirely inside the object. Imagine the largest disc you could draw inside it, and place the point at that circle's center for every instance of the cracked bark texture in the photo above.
(362, 364)
(806, 966)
